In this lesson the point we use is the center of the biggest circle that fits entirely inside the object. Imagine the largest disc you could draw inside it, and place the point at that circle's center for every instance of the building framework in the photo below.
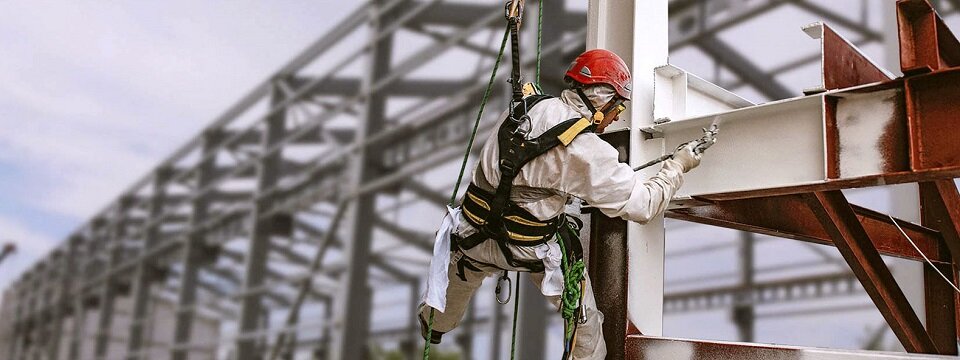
(225, 228)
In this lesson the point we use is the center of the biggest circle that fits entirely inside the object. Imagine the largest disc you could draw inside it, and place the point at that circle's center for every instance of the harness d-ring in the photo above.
(509, 282)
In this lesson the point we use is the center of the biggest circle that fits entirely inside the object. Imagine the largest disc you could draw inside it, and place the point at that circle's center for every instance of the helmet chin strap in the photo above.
(597, 115)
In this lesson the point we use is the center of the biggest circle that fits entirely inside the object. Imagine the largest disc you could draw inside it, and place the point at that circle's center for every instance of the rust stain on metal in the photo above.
(894, 144)
(932, 114)
(844, 66)
(789, 217)
(840, 221)
(926, 43)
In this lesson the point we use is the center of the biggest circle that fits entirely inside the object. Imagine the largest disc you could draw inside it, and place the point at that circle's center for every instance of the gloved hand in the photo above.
(686, 156)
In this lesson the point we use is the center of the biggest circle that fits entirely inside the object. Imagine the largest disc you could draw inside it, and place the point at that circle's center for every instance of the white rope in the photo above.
(924, 256)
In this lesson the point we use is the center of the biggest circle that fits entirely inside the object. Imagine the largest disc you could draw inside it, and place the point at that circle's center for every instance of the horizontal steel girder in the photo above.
(788, 216)
(647, 348)
(865, 130)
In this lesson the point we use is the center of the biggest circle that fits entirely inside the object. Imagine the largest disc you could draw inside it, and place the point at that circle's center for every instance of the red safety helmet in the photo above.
(599, 66)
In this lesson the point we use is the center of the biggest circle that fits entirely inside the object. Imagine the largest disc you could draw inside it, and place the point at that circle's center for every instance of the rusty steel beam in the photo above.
(842, 64)
(926, 43)
(940, 209)
(940, 205)
(653, 348)
(789, 217)
(840, 221)
(931, 101)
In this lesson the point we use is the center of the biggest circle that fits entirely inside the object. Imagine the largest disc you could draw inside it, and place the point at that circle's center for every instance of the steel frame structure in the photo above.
(225, 225)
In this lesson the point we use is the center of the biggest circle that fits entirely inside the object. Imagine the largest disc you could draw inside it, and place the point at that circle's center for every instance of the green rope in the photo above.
(570, 299)
(476, 124)
(516, 309)
(463, 166)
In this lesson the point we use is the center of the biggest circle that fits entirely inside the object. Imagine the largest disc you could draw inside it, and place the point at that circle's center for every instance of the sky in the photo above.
(94, 94)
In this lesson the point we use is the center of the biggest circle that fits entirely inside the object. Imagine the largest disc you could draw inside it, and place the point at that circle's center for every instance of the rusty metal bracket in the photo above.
(840, 221)
(926, 43)
(842, 64)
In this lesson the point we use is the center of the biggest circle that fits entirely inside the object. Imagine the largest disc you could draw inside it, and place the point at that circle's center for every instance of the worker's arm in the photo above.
(590, 170)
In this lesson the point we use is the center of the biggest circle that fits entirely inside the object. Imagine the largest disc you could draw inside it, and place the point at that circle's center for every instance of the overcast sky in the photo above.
(94, 94)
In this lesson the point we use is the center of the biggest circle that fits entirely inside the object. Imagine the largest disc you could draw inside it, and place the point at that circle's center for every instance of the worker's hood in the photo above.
(599, 95)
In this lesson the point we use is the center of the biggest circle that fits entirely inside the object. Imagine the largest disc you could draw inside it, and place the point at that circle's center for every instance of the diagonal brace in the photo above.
(840, 221)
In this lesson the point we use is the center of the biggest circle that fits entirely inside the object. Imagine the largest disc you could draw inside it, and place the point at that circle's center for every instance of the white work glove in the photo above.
(686, 157)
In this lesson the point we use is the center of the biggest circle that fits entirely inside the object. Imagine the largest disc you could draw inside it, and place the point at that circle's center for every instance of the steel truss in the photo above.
(224, 226)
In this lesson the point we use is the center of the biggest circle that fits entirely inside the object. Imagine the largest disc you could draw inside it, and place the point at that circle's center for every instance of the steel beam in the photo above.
(842, 64)
(61, 302)
(926, 43)
(764, 292)
(108, 293)
(840, 221)
(765, 216)
(351, 314)
(768, 85)
(144, 274)
(940, 209)
(255, 267)
(650, 348)
(192, 257)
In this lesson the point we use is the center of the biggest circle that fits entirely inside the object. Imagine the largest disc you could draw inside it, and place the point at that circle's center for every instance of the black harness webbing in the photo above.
(498, 218)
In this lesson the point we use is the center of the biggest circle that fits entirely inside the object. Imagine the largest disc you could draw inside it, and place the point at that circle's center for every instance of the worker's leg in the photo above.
(589, 342)
(465, 277)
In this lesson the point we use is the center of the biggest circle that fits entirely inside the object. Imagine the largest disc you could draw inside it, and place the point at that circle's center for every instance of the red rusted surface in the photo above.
(790, 217)
(938, 200)
(844, 66)
(926, 43)
(607, 264)
(902, 177)
(932, 108)
(660, 348)
(832, 134)
(842, 224)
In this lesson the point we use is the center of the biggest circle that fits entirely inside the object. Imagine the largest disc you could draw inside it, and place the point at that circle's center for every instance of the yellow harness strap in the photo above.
(567, 136)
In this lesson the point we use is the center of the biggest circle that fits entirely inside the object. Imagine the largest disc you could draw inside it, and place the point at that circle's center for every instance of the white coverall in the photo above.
(587, 168)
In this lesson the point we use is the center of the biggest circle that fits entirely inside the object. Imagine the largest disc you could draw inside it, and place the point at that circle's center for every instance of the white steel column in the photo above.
(637, 31)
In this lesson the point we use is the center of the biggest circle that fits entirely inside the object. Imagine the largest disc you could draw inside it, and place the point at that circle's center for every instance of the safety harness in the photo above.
(492, 212)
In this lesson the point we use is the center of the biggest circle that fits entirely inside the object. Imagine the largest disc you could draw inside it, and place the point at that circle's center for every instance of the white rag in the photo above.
(552, 284)
(436, 294)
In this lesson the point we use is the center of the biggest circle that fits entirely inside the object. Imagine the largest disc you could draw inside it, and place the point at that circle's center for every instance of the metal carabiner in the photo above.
(509, 282)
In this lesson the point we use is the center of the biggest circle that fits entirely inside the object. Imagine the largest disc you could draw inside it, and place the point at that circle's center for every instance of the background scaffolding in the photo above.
(203, 257)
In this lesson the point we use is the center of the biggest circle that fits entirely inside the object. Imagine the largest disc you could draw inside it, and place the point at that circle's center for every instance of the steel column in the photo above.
(67, 277)
(144, 274)
(352, 308)
(840, 221)
(940, 209)
(744, 314)
(532, 323)
(268, 174)
(192, 256)
(114, 245)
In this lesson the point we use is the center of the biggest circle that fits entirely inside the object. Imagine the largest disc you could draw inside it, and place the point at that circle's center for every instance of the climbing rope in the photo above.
(516, 309)
(512, 25)
(466, 157)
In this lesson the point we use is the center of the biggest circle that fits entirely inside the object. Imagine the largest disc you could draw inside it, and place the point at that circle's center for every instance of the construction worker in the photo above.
(525, 229)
